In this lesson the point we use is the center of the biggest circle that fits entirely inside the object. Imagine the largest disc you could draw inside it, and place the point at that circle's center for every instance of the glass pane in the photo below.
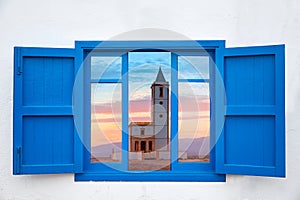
(193, 122)
(105, 67)
(149, 83)
(193, 67)
(106, 122)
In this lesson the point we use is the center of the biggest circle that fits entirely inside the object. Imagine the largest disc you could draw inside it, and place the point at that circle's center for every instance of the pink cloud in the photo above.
(142, 105)
(138, 108)
(188, 104)
(107, 120)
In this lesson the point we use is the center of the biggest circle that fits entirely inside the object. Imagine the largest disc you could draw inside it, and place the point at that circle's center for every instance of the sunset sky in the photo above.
(143, 67)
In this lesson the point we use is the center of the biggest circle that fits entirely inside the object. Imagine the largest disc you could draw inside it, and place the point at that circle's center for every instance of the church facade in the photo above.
(154, 135)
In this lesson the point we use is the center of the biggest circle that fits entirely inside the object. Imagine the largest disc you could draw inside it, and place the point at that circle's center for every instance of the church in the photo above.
(154, 135)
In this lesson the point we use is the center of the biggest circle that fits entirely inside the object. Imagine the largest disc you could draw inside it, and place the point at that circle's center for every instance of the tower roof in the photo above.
(160, 76)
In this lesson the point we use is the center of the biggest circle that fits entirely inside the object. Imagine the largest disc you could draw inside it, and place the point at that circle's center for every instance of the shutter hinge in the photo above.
(19, 71)
(18, 164)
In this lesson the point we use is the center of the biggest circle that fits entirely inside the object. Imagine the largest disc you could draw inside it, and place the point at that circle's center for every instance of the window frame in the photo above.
(142, 131)
(178, 172)
(161, 92)
(229, 62)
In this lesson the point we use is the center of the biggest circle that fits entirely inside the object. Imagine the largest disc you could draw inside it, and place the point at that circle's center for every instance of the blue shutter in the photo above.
(43, 122)
(253, 138)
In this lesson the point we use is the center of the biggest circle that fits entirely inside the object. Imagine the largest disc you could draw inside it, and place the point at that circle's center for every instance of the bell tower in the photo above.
(160, 111)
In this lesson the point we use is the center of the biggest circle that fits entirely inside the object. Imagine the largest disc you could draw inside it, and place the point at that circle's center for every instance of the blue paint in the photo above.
(43, 121)
(174, 111)
(100, 170)
(253, 138)
(46, 141)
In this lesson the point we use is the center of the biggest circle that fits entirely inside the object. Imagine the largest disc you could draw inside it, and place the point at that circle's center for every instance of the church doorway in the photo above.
(143, 146)
(136, 146)
(150, 146)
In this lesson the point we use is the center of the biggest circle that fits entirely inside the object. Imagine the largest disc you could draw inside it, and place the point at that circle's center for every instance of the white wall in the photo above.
(58, 23)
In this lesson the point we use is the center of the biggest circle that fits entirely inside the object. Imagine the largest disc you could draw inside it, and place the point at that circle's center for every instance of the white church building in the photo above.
(153, 136)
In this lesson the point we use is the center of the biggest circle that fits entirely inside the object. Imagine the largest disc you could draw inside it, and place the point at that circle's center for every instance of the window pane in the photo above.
(194, 122)
(193, 67)
(149, 79)
(106, 122)
(105, 67)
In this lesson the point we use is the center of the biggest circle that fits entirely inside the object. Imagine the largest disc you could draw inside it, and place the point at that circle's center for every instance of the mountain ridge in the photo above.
(193, 147)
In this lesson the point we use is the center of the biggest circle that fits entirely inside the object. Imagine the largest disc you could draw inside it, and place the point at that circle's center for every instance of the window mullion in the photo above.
(174, 109)
(125, 110)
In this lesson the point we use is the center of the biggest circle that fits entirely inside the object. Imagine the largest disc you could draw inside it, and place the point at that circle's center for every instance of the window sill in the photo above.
(152, 177)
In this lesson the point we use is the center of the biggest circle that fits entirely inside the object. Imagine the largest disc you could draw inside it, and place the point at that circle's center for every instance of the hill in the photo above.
(194, 147)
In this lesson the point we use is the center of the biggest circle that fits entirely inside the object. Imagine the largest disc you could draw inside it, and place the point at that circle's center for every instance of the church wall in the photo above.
(160, 108)
(161, 131)
(161, 118)
(136, 130)
(161, 137)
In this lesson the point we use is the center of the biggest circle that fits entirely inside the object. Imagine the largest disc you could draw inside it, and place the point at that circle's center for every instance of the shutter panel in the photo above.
(253, 138)
(43, 122)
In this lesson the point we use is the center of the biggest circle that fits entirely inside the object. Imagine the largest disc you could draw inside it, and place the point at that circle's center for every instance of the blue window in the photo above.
(61, 114)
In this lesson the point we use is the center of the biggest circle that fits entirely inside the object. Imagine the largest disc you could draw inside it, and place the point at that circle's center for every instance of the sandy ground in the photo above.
(149, 165)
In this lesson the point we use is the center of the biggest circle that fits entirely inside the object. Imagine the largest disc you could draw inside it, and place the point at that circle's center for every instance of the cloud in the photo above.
(193, 67)
(141, 105)
(106, 67)
(114, 107)
(145, 75)
(186, 104)
(143, 67)
(194, 104)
